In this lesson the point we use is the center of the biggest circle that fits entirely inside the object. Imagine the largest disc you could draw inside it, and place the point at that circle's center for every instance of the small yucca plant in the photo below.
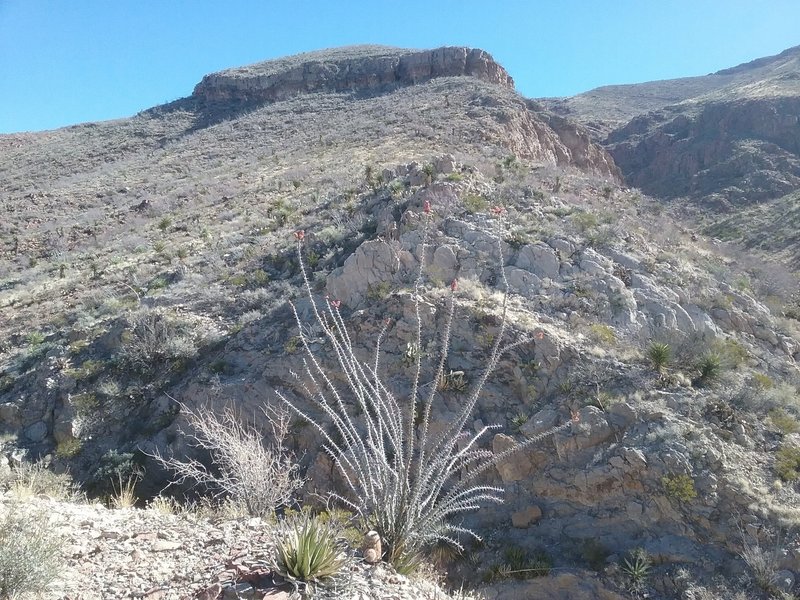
(659, 354)
(308, 551)
(710, 368)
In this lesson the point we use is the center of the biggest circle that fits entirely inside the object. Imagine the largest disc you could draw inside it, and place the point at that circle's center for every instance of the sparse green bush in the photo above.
(308, 551)
(379, 291)
(154, 336)
(87, 370)
(783, 421)
(475, 204)
(68, 448)
(679, 487)
(787, 462)
(584, 221)
(602, 333)
(30, 556)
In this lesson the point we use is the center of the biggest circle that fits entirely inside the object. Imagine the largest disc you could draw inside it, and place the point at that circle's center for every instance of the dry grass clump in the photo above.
(33, 479)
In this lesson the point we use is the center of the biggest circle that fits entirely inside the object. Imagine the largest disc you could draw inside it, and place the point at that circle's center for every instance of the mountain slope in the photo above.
(727, 139)
(152, 259)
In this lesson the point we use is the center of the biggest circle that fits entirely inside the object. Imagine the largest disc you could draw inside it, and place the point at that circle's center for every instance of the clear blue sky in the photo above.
(69, 61)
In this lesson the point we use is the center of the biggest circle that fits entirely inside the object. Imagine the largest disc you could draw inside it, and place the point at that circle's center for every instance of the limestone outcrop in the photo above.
(364, 69)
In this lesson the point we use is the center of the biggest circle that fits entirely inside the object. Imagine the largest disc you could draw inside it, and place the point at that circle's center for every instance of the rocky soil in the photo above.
(146, 554)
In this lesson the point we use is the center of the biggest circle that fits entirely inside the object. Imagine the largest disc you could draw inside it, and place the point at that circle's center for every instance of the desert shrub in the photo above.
(30, 555)
(247, 471)
(154, 336)
(474, 203)
(659, 356)
(787, 462)
(584, 221)
(308, 551)
(783, 421)
(679, 487)
(763, 563)
(403, 481)
(602, 333)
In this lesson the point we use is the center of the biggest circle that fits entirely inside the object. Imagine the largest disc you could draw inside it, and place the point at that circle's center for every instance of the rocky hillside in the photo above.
(727, 139)
(149, 262)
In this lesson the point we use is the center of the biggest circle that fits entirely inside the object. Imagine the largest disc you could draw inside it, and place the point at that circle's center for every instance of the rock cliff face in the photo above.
(727, 138)
(362, 68)
(729, 152)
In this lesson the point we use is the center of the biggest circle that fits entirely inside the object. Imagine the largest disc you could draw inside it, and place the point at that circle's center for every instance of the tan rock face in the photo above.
(362, 69)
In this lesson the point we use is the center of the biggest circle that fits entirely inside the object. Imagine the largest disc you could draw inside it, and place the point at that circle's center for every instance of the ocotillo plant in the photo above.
(404, 482)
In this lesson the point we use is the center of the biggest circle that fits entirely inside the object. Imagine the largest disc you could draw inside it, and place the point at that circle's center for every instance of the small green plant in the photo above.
(30, 554)
(68, 448)
(292, 344)
(164, 224)
(34, 338)
(636, 566)
(602, 334)
(308, 551)
(87, 370)
(783, 421)
(519, 420)
(454, 381)
(584, 221)
(518, 564)
(124, 494)
(474, 203)
(787, 462)
(709, 369)
(763, 381)
(659, 356)
(410, 354)
(379, 291)
(679, 487)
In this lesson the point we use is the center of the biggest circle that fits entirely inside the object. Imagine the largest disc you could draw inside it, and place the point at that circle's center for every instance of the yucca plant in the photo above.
(404, 482)
(659, 354)
(710, 368)
(308, 550)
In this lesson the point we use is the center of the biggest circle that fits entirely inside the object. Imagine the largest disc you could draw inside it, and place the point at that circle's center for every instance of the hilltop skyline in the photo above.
(89, 61)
